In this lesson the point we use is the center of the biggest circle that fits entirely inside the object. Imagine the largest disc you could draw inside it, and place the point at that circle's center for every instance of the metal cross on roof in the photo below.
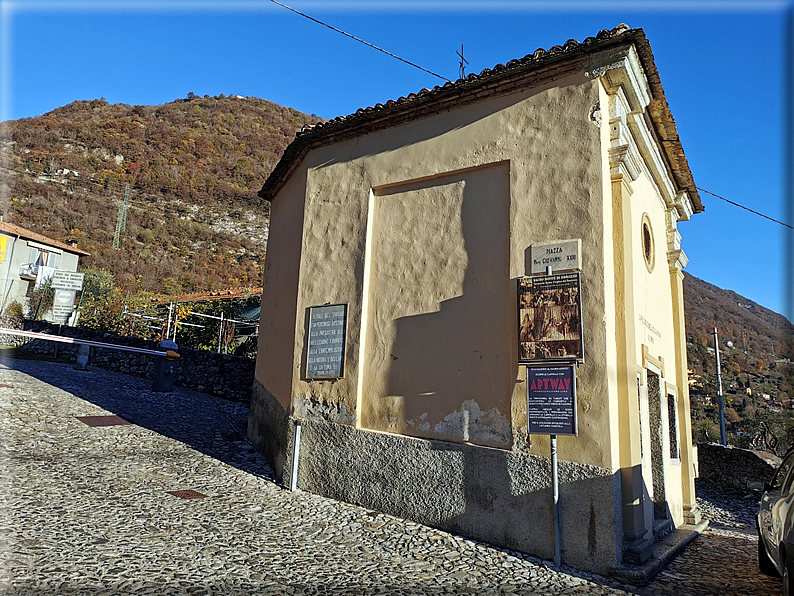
(462, 64)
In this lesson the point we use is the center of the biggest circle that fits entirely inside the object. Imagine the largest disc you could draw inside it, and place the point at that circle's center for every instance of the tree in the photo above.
(40, 300)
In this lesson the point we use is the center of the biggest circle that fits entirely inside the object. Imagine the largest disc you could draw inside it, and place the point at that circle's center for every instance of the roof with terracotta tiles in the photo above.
(14, 230)
(495, 81)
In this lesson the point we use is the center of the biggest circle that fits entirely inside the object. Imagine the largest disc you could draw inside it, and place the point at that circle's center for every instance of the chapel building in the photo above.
(409, 226)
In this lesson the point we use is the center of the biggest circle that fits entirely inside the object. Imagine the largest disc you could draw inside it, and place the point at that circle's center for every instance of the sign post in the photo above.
(551, 342)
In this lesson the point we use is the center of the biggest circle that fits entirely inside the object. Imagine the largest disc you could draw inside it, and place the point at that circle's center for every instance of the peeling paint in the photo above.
(314, 409)
(470, 423)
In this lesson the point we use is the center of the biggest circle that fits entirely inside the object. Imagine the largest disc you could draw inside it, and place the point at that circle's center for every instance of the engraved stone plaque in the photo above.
(561, 255)
(326, 347)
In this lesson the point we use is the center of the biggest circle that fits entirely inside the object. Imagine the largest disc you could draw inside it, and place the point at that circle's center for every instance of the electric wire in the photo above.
(745, 208)
(358, 39)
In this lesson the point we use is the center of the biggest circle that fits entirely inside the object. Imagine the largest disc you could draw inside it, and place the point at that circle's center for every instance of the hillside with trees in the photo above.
(756, 352)
(193, 167)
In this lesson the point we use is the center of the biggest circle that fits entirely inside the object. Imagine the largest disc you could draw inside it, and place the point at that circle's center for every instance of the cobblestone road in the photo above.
(86, 510)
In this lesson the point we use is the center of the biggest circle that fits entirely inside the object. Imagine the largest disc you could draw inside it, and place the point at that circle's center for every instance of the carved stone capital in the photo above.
(677, 259)
(623, 163)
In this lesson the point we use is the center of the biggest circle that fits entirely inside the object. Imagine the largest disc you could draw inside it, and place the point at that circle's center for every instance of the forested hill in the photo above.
(193, 166)
(755, 330)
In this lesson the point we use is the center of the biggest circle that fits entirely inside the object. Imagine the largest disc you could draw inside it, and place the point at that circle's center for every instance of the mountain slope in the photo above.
(765, 334)
(193, 167)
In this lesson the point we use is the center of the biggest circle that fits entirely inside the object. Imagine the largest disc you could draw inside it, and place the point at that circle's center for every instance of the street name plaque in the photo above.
(326, 342)
(551, 400)
(560, 255)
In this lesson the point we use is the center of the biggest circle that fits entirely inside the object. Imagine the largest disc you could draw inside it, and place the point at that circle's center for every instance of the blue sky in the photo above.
(721, 63)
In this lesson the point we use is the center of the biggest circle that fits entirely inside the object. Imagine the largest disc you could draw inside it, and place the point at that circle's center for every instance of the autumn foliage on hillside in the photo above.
(193, 167)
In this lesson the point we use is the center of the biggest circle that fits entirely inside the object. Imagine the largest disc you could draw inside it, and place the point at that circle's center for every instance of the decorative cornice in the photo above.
(632, 139)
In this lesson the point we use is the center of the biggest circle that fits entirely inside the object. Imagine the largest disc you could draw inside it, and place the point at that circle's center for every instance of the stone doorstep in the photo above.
(664, 551)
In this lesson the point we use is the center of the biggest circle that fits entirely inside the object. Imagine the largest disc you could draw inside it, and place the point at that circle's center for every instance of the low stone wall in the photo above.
(492, 495)
(224, 375)
(732, 467)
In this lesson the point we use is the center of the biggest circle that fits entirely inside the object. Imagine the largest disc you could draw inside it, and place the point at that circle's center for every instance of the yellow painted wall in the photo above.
(653, 321)
(497, 176)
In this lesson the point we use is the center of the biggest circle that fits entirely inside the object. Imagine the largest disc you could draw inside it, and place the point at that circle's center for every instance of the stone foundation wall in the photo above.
(732, 467)
(500, 497)
(230, 377)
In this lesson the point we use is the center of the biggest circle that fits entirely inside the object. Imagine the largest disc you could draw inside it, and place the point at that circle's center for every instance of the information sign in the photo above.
(326, 342)
(62, 304)
(67, 280)
(551, 400)
(560, 255)
(550, 318)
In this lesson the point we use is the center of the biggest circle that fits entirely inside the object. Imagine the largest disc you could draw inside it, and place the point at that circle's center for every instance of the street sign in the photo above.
(63, 304)
(551, 400)
(326, 342)
(560, 255)
(67, 280)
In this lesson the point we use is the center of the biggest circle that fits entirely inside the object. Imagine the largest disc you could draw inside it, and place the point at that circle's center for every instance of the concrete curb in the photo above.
(664, 552)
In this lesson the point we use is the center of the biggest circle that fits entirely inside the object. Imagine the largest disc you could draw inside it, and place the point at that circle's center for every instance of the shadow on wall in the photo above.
(445, 372)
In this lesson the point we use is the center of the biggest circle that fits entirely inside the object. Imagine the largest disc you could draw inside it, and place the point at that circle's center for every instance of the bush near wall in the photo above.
(732, 467)
(223, 375)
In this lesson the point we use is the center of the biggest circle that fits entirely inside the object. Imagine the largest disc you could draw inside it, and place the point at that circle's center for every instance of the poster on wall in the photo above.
(550, 318)
(551, 400)
(325, 352)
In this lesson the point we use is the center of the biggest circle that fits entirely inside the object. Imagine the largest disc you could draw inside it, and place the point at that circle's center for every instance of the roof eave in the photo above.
(500, 80)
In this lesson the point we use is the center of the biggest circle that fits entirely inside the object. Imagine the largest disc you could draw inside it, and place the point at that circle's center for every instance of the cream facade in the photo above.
(419, 216)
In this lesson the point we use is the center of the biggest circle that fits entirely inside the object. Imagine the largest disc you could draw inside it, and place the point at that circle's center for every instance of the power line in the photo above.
(366, 43)
(745, 208)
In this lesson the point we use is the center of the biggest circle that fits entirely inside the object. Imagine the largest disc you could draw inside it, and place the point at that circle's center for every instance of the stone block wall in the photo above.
(224, 375)
(732, 467)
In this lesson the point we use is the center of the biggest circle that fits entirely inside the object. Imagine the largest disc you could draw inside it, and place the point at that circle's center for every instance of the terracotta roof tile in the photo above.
(368, 119)
(15, 230)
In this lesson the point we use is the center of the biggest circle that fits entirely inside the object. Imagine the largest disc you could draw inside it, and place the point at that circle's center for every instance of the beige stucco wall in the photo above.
(275, 359)
(504, 173)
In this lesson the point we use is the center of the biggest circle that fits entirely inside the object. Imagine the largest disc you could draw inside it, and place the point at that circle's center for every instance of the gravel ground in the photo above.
(86, 511)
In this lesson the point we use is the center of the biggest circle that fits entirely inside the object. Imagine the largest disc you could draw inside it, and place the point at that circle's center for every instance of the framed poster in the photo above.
(551, 400)
(325, 351)
(550, 318)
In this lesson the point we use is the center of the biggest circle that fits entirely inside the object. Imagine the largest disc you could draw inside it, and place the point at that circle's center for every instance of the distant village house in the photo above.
(27, 258)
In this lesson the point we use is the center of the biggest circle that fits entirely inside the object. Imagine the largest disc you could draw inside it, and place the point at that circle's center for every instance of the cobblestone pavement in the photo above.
(85, 510)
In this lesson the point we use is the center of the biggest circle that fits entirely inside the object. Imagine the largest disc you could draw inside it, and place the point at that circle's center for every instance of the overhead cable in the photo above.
(358, 39)
(745, 208)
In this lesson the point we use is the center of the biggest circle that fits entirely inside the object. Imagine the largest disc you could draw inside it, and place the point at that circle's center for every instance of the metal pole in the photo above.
(555, 489)
(296, 450)
(176, 318)
(723, 440)
(220, 333)
(168, 324)
(169, 354)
